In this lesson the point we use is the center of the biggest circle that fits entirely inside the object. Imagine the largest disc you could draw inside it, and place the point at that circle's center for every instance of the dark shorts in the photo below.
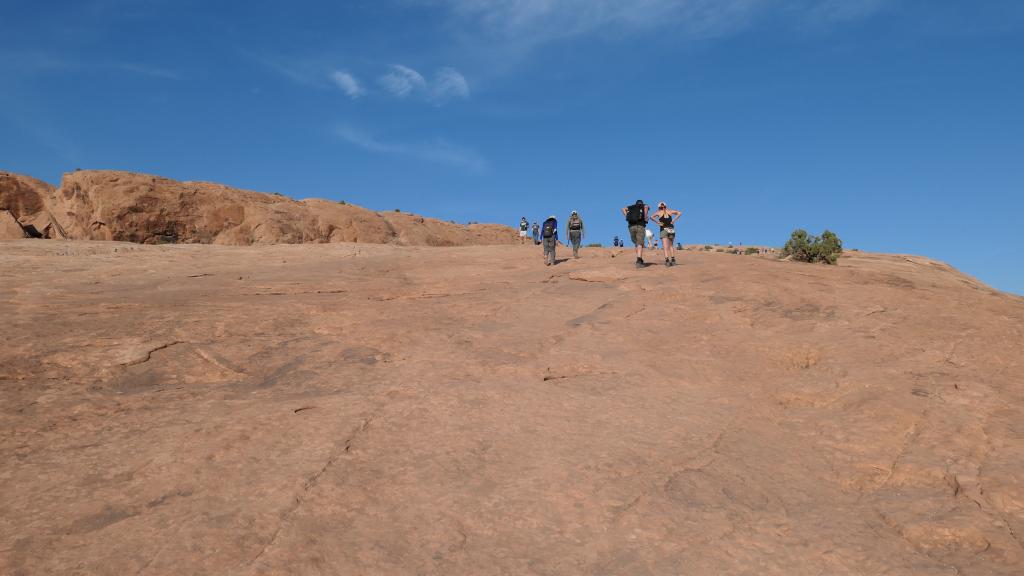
(638, 233)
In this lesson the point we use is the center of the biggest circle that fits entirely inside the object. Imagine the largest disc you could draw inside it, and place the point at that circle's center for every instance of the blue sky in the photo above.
(896, 123)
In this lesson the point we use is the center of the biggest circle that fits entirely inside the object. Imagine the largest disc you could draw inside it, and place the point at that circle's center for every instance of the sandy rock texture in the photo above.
(371, 409)
(125, 206)
(10, 228)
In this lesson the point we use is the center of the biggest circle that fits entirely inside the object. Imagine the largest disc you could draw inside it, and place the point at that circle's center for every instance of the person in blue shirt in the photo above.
(549, 236)
(536, 234)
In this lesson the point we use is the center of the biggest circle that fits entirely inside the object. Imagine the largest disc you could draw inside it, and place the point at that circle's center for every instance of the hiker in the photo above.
(649, 238)
(574, 230)
(615, 241)
(636, 218)
(524, 226)
(666, 220)
(549, 234)
(536, 233)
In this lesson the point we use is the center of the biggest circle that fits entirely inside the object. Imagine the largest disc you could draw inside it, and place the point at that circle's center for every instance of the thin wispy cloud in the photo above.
(449, 84)
(347, 83)
(41, 62)
(151, 71)
(438, 151)
(401, 81)
(298, 71)
(543, 20)
(397, 80)
(33, 61)
(527, 23)
(836, 11)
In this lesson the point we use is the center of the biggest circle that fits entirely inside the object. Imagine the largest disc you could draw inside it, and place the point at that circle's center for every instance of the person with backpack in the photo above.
(636, 219)
(666, 220)
(549, 237)
(536, 234)
(574, 230)
(524, 226)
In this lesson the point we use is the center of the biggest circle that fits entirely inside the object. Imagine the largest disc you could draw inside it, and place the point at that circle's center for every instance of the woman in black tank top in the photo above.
(667, 221)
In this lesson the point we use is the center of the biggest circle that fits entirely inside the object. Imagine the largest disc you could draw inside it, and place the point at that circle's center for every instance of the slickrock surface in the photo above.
(368, 409)
(110, 205)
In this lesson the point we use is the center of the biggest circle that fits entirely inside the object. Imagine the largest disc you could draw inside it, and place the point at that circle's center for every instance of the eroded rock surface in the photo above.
(10, 228)
(367, 409)
(125, 206)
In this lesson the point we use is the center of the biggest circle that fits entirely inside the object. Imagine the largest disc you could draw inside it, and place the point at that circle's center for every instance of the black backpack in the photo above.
(635, 214)
(549, 228)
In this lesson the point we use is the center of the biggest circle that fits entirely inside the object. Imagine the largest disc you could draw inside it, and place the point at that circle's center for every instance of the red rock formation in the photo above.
(10, 229)
(109, 205)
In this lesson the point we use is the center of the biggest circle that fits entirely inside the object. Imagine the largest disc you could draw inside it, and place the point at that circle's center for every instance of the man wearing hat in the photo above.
(636, 218)
(549, 237)
(574, 230)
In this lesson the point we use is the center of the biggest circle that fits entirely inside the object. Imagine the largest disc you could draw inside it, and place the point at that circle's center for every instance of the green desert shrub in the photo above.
(342, 202)
(804, 247)
(594, 245)
(750, 250)
(719, 249)
(708, 247)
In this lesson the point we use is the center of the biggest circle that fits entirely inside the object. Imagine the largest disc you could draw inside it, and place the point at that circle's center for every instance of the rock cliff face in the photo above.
(10, 228)
(28, 200)
(109, 205)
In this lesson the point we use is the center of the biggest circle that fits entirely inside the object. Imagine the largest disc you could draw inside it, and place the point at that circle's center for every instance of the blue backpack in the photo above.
(550, 225)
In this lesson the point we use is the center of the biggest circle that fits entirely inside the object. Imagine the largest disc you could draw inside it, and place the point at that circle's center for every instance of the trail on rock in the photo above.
(361, 409)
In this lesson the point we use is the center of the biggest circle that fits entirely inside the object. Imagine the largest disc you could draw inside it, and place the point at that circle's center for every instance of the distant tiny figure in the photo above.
(549, 235)
(666, 220)
(574, 230)
(524, 226)
(616, 242)
(536, 233)
(636, 219)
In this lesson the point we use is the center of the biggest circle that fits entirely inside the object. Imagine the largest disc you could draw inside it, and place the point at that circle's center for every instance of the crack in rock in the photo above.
(149, 354)
(311, 483)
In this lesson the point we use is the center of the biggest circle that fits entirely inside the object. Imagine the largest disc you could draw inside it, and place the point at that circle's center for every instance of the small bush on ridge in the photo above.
(806, 248)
